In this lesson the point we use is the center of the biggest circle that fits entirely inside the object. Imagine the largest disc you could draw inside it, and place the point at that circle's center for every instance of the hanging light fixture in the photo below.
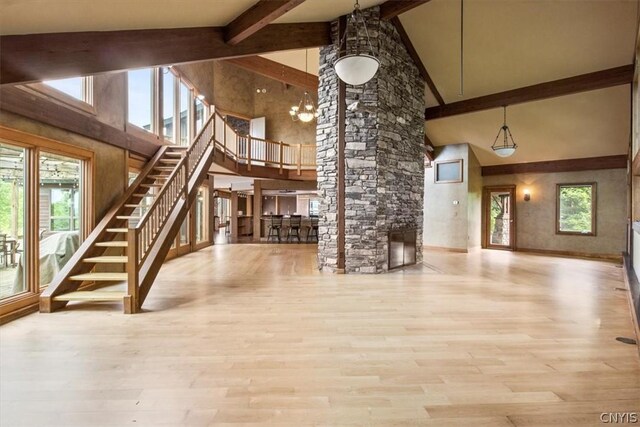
(356, 69)
(508, 146)
(306, 110)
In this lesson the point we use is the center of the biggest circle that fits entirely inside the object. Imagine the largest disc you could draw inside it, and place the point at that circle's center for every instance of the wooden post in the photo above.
(133, 285)
(234, 216)
(249, 153)
(224, 139)
(299, 159)
(257, 210)
(281, 157)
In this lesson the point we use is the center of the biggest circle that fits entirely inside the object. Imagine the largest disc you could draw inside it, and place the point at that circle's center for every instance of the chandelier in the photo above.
(508, 146)
(306, 109)
(356, 69)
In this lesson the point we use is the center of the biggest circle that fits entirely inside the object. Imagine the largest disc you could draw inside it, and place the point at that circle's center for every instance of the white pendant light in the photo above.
(356, 69)
(508, 146)
(306, 110)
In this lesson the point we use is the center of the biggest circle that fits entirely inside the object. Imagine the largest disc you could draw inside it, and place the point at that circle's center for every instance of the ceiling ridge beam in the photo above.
(583, 83)
(277, 71)
(551, 166)
(36, 57)
(392, 8)
(416, 59)
(257, 17)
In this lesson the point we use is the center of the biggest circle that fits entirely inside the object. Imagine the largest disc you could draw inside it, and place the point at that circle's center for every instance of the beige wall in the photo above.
(474, 200)
(536, 218)
(235, 91)
(446, 224)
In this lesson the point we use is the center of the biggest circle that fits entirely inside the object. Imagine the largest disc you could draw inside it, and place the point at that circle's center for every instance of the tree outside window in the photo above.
(576, 209)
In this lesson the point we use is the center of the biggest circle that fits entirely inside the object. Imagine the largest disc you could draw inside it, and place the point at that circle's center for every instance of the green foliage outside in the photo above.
(6, 215)
(575, 209)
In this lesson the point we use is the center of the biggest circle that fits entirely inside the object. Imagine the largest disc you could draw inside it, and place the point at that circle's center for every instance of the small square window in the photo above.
(448, 171)
(576, 209)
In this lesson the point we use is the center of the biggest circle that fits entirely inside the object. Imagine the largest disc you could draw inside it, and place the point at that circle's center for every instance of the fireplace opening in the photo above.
(402, 248)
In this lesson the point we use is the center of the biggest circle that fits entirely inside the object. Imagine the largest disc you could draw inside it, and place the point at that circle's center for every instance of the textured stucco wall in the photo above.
(383, 153)
(474, 201)
(110, 162)
(536, 218)
(446, 223)
(235, 91)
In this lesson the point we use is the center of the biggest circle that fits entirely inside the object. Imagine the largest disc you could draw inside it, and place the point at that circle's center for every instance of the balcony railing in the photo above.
(245, 149)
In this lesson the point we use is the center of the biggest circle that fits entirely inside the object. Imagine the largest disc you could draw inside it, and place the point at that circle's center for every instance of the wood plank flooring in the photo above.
(254, 335)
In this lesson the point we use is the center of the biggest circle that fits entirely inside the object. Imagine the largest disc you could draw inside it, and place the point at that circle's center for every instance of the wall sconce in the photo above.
(527, 195)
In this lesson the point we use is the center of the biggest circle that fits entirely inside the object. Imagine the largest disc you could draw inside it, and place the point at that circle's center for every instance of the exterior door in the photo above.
(499, 218)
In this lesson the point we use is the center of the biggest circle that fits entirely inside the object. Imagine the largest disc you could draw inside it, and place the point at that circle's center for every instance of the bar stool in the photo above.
(313, 228)
(275, 225)
(295, 223)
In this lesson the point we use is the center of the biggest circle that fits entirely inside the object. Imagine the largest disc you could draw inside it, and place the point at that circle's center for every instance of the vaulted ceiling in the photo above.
(508, 44)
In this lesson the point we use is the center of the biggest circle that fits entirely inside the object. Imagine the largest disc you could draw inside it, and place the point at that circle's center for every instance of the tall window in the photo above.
(186, 100)
(202, 215)
(12, 220)
(168, 104)
(60, 212)
(576, 209)
(79, 88)
(200, 111)
(140, 98)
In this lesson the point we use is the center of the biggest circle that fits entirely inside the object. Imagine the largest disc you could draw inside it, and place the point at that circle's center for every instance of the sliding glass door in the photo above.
(12, 220)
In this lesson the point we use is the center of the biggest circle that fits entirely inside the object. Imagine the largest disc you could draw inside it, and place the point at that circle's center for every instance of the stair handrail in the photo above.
(151, 223)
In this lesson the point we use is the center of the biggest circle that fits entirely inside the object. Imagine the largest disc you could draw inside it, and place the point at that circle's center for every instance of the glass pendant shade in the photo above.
(504, 151)
(356, 69)
(305, 116)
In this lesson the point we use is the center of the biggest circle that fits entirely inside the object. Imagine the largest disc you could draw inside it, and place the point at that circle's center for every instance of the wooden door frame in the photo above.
(486, 190)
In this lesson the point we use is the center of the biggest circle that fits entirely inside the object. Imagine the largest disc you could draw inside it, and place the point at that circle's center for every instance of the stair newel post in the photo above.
(133, 278)
(281, 157)
(299, 158)
(249, 152)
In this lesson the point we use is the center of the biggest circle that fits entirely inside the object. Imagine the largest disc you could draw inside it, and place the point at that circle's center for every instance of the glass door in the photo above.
(499, 218)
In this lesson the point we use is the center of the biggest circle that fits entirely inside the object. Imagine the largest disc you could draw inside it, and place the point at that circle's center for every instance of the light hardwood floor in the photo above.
(253, 335)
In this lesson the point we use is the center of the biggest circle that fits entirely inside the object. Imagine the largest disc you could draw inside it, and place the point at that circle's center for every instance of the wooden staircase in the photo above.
(134, 237)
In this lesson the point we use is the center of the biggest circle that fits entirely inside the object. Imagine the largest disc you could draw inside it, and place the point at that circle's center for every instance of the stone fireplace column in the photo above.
(383, 153)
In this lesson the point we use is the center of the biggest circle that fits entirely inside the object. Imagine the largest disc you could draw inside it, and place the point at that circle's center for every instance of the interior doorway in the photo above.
(499, 217)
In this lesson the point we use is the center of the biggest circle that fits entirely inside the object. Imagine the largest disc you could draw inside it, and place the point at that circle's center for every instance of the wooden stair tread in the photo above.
(164, 168)
(131, 205)
(173, 154)
(151, 185)
(114, 244)
(159, 176)
(117, 230)
(107, 259)
(91, 296)
(99, 277)
(127, 217)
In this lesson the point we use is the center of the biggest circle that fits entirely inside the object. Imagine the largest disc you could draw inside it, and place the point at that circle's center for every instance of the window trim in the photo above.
(594, 205)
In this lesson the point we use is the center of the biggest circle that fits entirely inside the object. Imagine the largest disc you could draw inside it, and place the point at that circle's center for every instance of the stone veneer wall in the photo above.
(384, 174)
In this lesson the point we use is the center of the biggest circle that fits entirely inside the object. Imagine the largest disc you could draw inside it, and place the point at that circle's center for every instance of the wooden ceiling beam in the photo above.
(277, 71)
(583, 83)
(416, 59)
(552, 166)
(392, 8)
(257, 17)
(36, 57)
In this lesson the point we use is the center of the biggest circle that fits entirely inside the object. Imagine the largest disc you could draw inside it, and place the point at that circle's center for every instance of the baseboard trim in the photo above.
(633, 292)
(573, 254)
(21, 312)
(444, 249)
